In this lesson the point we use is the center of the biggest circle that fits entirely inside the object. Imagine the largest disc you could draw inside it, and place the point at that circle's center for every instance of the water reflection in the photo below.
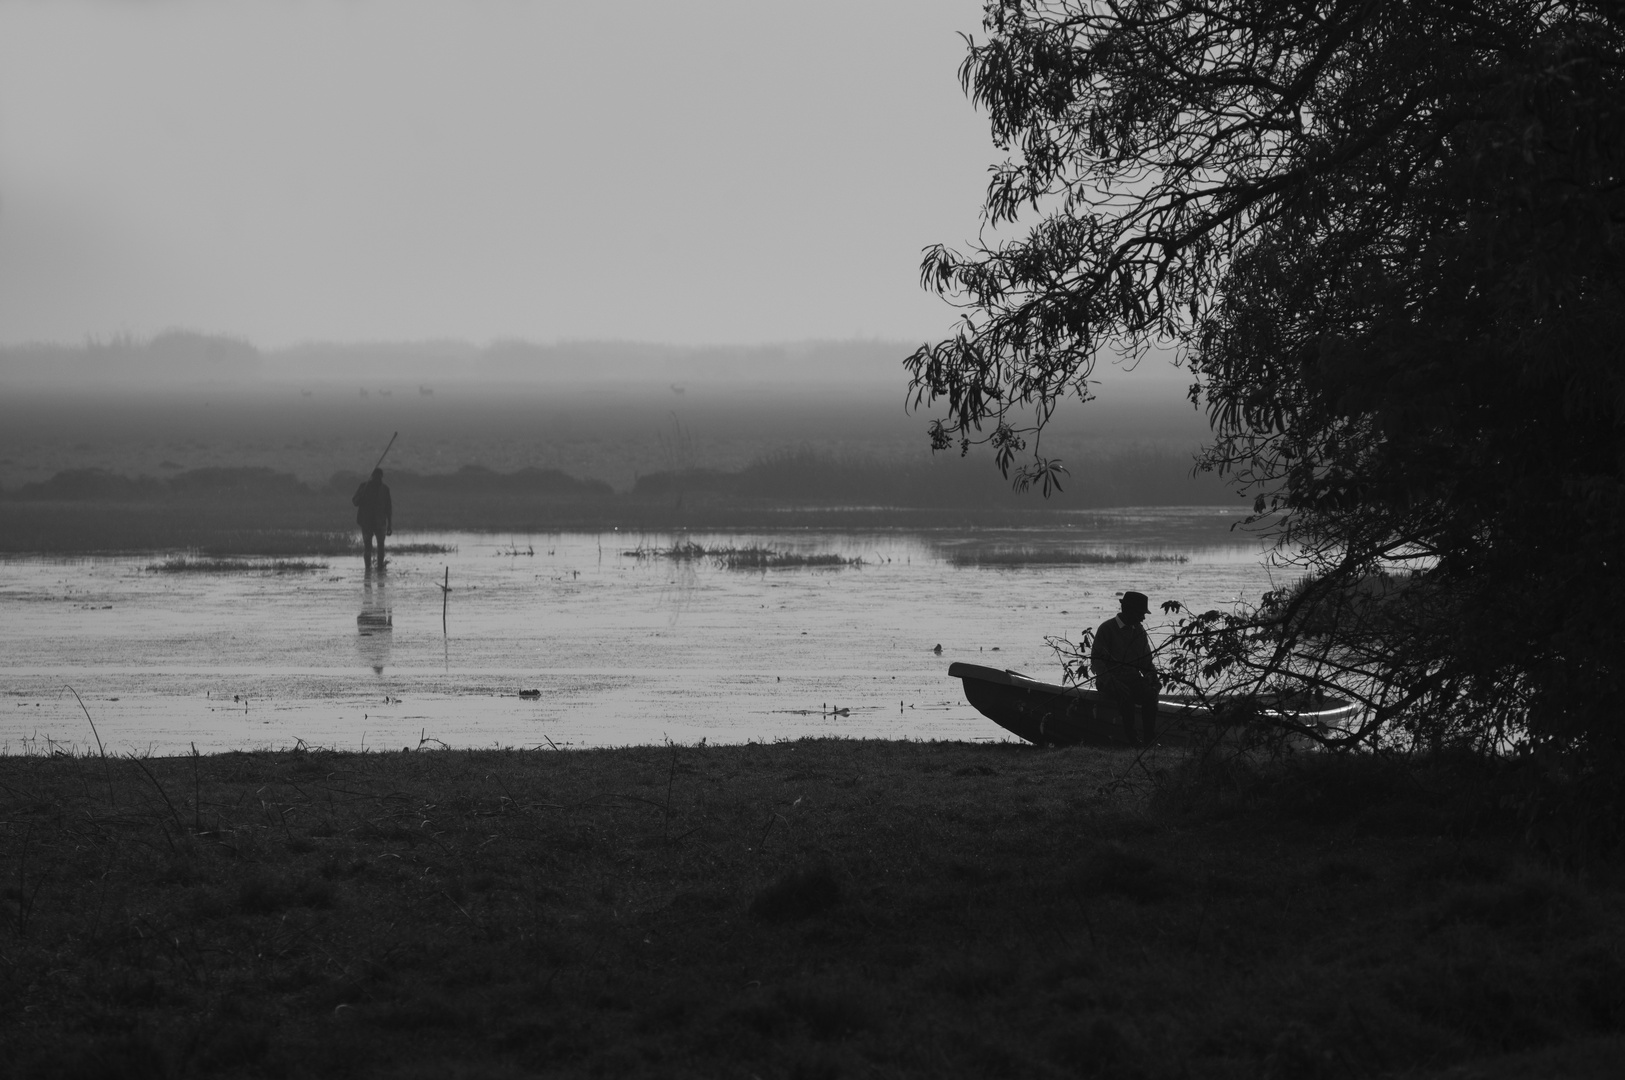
(751, 656)
(682, 586)
(375, 626)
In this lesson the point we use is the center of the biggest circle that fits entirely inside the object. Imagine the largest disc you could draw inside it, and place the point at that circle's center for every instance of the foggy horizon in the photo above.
(723, 174)
(176, 357)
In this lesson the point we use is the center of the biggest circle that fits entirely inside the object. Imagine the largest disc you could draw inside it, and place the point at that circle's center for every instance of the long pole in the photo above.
(385, 454)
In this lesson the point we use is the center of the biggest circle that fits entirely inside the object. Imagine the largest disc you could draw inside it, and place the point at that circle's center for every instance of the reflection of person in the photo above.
(1124, 673)
(374, 514)
(375, 625)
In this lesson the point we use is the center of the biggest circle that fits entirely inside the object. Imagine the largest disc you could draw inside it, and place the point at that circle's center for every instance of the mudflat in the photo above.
(795, 909)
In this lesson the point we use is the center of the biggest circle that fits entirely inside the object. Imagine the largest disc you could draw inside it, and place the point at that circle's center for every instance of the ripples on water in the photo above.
(623, 649)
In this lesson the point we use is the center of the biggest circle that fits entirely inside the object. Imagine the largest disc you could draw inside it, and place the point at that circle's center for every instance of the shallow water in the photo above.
(623, 650)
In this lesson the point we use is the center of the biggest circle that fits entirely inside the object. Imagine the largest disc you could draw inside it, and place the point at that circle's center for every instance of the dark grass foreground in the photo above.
(813, 909)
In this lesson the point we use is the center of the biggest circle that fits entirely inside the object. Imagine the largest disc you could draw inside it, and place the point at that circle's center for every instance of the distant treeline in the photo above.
(260, 511)
(794, 477)
(172, 356)
(1135, 477)
(234, 511)
(102, 485)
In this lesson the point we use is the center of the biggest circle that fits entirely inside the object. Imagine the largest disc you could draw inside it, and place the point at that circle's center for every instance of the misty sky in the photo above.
(686, 171)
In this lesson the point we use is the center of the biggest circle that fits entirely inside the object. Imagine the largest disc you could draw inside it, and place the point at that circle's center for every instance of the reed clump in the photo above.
(1021, 556)
(183, 564)
(744, 558)
(414, 548)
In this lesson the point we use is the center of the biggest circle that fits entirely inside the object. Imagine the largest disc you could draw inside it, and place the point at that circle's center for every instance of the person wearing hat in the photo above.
(1124, 674)
(374, 514)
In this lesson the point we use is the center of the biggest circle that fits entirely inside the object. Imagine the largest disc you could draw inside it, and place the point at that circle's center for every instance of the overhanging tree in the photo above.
(1387, 239)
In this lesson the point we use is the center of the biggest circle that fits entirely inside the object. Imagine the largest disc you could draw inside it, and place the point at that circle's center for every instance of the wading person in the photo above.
(1124, 674)
(374, 514)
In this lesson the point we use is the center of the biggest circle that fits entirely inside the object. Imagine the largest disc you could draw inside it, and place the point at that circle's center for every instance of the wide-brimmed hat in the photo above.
(1136, 601)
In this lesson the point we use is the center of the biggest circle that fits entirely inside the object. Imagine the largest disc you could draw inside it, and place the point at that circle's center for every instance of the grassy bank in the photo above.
(811, 909)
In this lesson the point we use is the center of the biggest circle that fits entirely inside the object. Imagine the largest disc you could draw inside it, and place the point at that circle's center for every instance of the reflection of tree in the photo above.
(375, 626)
(678, 449)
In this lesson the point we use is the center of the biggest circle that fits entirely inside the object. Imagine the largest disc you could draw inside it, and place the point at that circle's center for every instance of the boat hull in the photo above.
(1049, 714)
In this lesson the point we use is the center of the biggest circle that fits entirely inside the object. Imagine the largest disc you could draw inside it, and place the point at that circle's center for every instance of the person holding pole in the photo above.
(374, 511)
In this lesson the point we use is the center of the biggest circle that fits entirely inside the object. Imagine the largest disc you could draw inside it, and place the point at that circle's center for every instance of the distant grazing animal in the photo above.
(363, 391)
(385, 393)
(678, 389)
(304, 393)
(426, 391)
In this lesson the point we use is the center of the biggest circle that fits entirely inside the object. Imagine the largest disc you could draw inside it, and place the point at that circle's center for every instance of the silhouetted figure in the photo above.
(1124, 673)
(375, 514)
(375, 626)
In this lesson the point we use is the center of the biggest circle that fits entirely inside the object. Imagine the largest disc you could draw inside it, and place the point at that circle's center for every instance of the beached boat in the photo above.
(1050, 714)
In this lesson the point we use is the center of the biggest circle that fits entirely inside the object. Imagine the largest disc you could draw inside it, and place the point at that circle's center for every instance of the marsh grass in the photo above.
(744, 558)
(413, 549)
(215, 561)
(182, 564)
(818, 908)
(1023, 556)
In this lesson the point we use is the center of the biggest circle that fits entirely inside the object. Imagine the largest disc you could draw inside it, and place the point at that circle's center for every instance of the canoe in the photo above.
(1049, 714)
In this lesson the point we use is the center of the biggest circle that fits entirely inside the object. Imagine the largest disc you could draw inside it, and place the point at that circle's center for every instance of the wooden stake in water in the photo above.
(445, 595)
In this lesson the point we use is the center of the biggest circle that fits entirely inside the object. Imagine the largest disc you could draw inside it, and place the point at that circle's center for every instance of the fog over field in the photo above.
(612, 241)
(604, 411)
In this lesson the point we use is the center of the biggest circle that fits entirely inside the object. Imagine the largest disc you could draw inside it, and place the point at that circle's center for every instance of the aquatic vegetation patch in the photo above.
(183, 564)
(416, 549)
(1022, 556)
(743, 558)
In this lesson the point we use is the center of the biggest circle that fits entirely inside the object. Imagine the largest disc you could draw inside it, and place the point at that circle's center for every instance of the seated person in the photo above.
(1124, 674)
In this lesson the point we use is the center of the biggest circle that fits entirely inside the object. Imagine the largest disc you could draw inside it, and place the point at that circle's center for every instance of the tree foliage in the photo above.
(1386, 237)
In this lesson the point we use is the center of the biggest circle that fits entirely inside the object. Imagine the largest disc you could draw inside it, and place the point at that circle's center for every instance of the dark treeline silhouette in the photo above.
(262, 510)
(82, 485)
(1137, 477)
(1145, 477)
(174, 355)
(77, 485)
(479, 480)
